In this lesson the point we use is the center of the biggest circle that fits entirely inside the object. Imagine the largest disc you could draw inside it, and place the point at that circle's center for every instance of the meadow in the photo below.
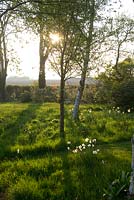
(93, 162)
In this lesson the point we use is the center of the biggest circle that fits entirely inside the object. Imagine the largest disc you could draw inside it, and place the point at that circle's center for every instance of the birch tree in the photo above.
(87, 25)
(119, 44)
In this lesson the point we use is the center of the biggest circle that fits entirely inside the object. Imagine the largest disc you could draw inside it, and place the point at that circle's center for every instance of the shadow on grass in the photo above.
(13, 129)
(96, 172)
(69, 176)
(69, 187)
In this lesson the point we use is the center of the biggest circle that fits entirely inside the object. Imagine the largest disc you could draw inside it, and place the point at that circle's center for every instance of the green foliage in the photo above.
(116, 85)
(18, 93)
(49, 94)
(25, 97)
(118, 188)
(123, 95)
(44, 95)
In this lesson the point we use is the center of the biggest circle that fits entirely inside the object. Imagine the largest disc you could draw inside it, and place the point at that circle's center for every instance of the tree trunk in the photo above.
(85, 64)
(2, 86)
(3, 71)
(42, 79)
(79, 96)
(62, 88)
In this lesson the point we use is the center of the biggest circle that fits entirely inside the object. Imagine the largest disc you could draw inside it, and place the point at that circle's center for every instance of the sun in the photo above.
(54, 37)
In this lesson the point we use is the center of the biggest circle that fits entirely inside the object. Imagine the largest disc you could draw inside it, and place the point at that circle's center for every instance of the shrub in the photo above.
(44, 95)
(123, 95)
(25, 97)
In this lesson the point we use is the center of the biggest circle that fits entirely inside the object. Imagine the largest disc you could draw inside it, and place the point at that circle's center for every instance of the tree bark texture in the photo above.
(2, 87)
(78, 97)
(3, 65)
(43, 58)
(62, 88)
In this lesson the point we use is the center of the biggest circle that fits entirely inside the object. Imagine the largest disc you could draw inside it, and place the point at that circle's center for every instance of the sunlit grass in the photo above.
(32, 153)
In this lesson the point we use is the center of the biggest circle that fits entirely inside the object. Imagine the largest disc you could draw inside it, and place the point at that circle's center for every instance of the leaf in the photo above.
(120, 190)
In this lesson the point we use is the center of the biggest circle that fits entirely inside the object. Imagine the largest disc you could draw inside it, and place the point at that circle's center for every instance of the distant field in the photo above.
(35, 164)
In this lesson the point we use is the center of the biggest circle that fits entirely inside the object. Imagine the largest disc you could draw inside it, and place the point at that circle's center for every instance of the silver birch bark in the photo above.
(86, 60)
(76, 105)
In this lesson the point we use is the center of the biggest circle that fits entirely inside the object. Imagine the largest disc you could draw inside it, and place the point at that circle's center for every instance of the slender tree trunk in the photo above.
(62, 88)
(42, 79)
(85, 64)
(2, 87)
(3, 74)
(62, 91)
(3, 70)
(79, 95)
(81, 86)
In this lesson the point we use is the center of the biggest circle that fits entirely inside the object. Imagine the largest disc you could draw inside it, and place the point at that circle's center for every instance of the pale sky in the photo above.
(29, 56)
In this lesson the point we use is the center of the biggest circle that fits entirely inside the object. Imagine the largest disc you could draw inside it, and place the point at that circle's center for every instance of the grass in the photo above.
(36, 165)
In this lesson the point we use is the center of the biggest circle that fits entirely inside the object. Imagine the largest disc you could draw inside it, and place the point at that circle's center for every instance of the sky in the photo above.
(28, 51)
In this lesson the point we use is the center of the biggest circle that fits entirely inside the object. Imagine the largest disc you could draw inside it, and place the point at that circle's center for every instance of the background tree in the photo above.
(37, 19)
(3, 56)
(8, 27)
(118, 92)
(118, 46)
(119, 43)
(42, 17)
(5, 22)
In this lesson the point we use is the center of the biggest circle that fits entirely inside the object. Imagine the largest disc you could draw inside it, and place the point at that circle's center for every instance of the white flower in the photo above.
(75, 151)
(83, 145)
(80, 148)
(94, 152)
(89, 145)
(87, 139)
(90, 141)
(92, 145)
(98, 150)
(18, 151)
(68, 142)
(93, 140)
(103, 161)
(68, 148)
(128, 110)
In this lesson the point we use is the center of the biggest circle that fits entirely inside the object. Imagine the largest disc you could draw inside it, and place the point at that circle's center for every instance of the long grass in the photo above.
(35, 164)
